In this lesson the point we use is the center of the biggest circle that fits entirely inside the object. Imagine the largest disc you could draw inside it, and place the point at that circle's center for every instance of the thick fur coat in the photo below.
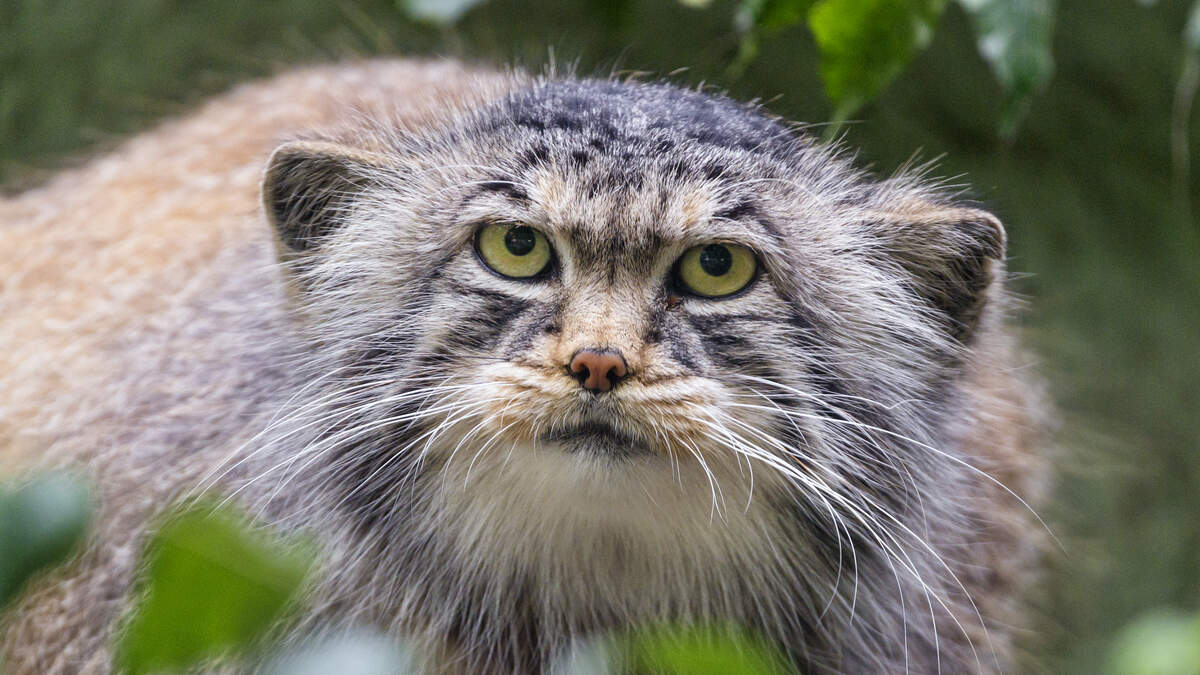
(279, 298)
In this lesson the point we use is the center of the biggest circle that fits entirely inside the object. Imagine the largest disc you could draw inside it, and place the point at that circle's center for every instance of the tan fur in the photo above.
(115, 242)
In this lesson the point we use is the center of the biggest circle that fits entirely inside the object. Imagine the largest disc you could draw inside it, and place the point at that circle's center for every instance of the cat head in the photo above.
(628, 278)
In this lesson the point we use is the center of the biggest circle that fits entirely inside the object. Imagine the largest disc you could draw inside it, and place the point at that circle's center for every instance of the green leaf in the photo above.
(437, 11)
(1162, 643)
(212, 586)
(771, 14)
(1014, 37)
(865, 44)
(703, 651)
(40, 524)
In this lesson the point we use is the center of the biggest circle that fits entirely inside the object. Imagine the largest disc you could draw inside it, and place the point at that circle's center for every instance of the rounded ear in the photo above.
(953, 256)
(308, 188)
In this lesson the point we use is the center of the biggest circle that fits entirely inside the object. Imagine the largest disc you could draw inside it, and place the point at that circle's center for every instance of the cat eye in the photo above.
(716, 270)
(511, 250)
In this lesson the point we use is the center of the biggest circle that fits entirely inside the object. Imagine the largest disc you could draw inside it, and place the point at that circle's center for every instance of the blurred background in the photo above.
(1104, 242)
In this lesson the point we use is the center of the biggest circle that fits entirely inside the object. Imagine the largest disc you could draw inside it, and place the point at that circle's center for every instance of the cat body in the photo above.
(835, 453)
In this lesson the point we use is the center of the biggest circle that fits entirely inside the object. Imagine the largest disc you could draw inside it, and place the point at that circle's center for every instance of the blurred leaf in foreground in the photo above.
(360, 653)
(40, 524)
(669, 650)
(1014, 37)
(865, 44)
(1162, 643)
(213, 584)
(703, 652)
(437, 11)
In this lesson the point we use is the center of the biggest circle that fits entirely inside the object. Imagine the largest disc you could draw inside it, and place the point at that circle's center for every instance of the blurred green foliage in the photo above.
(865, 44)
(41, 522)
(212, 585)
(702, 652)
(675, 650)
(1162, 643)
(1014, 37)
(1094, 191)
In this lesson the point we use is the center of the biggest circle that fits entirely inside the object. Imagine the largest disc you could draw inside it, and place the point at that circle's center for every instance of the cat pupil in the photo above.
(520, 240)
(716, 260)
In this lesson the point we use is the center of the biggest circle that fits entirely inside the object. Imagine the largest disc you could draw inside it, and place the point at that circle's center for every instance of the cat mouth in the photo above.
(598, 438)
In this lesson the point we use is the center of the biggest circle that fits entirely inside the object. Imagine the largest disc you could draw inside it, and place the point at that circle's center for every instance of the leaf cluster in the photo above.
(865, 44)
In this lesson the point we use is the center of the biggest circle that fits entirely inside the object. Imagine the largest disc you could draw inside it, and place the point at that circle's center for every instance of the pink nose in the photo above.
(598, 370)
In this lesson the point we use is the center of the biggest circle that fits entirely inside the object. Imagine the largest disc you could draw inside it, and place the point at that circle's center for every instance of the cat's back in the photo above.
(99, 253)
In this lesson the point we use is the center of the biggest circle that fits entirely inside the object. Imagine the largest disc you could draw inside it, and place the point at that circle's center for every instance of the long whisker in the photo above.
(921, 444)
(865, 520)
(315, 450)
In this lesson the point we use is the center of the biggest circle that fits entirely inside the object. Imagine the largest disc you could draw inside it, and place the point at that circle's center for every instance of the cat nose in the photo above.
(598, 370)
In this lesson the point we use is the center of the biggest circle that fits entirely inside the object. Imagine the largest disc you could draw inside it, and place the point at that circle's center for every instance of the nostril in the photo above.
(616, 371)
(580, 370)
(598, 370)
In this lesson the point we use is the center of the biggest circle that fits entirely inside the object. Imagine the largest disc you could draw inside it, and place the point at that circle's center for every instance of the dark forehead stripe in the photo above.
(747, 210)
(737, 211)
(647, 118)
(507, 188)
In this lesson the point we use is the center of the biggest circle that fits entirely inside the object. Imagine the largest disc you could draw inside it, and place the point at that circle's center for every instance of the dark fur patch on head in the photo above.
(631, 120)
(508, 188)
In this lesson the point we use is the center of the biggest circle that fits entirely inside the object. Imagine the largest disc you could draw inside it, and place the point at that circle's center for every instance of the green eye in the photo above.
(717, 270)
(514, 251)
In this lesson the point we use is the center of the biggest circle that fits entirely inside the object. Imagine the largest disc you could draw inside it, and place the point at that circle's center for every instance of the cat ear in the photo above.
(952, 255)
(308, 188)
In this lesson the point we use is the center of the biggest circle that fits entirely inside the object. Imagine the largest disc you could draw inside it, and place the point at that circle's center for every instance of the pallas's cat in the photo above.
(536, 359)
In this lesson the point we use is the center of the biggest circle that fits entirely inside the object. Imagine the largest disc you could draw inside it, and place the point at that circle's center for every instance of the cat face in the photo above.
(633, 278)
